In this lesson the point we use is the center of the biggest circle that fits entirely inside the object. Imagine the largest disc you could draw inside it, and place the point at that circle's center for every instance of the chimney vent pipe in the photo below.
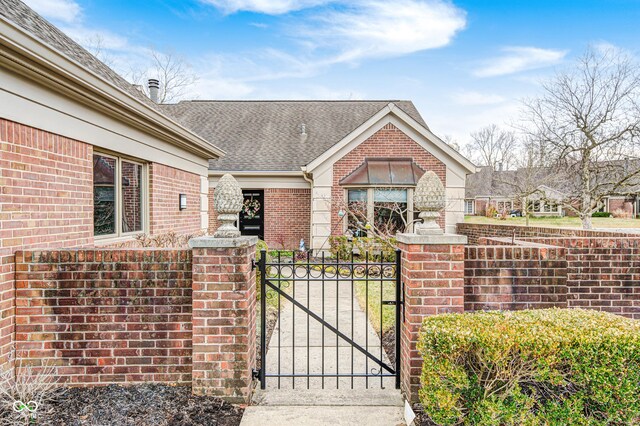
(154, 88)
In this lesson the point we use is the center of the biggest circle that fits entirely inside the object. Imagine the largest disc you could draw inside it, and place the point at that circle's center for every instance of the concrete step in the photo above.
(329, 398)
(323, 415)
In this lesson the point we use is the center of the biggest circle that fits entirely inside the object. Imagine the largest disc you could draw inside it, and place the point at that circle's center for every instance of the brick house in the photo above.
(85, 158)
(300, 161)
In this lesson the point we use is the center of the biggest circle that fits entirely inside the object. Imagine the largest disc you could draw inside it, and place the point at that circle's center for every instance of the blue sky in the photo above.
(465, 64)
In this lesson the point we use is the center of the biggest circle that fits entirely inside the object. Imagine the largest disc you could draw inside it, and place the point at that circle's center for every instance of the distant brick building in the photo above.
(488, 187)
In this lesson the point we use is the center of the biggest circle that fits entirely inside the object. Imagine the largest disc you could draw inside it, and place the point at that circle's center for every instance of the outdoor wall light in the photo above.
(182, 201)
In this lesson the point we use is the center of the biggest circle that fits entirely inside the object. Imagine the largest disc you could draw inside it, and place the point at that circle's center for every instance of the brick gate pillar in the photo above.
(224, 317)
(433, 278)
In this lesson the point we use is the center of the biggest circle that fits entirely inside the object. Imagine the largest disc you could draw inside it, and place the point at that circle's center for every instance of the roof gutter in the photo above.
(255, 173)
(27, 55)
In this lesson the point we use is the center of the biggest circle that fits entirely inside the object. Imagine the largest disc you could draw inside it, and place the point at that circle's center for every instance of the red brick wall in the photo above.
(165, 185)
(106, 316)
(621, 206)
(287, 217)
(224, 321)
(433, 277)
(476, 231)
(602, 273)
(387, 142)
(47, 198)
(507, 277)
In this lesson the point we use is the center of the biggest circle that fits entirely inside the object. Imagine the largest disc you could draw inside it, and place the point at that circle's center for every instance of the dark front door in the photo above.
(252, 214)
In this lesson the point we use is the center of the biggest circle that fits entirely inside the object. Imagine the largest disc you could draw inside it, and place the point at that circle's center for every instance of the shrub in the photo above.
(491, 211)
(622, 214)
(342, 247)
(536, 367)
(601, 214)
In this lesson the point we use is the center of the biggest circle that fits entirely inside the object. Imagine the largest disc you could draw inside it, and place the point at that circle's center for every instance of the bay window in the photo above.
(387, 209)
(118, 196)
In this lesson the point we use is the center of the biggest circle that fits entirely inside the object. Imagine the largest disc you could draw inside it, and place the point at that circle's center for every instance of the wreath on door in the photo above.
(250, 208)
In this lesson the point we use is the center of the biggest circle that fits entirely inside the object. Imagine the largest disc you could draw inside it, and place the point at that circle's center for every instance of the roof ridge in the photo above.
(290, 100)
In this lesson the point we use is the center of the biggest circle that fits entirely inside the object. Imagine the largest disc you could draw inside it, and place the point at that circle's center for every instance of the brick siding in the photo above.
(507, 277)
(165, 185)
(106, 316)
(388, 142)
(287, 217)
(47, 201)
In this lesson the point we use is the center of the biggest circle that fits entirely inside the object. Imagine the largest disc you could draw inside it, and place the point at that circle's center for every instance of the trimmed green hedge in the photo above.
(536, 367)
(342, 247)
(601, 214)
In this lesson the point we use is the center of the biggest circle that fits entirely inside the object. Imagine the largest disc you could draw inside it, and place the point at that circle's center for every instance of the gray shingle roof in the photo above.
(265, 135)
(25, 18)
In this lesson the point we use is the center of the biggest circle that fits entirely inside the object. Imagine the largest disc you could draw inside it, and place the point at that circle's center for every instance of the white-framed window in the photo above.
(119, 196)
(388, 209)
(469, 207)
(505, 205)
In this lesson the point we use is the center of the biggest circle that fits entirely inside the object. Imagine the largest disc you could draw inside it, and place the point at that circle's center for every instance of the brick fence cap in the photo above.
(212, 242)
(431, 239)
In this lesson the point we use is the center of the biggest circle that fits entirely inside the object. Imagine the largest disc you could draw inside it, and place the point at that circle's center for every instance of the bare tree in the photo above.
(173, 72)
(96, 45)
(588, 122)
(492, 146)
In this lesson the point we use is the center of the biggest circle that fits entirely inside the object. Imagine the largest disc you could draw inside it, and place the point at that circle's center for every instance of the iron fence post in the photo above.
(263, 317)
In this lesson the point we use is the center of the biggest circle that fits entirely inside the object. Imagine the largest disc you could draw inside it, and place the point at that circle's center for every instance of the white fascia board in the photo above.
(255, 173)
(37, 60)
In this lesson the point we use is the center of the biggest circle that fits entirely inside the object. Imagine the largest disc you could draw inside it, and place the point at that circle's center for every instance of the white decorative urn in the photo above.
(429, 200)
(227, 201)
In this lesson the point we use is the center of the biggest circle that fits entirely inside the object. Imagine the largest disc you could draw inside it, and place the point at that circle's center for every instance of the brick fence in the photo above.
(475, 231)
(602, 268)
(507, 277)
(105, 316)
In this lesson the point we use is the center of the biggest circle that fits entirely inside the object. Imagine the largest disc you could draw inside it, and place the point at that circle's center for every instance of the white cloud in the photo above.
(376, 29)
(517, 59)
(57, 10)
(477, 98)
(269, 7)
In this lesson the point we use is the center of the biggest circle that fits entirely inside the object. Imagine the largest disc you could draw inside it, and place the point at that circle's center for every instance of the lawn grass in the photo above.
(558, 222)
(374, 302)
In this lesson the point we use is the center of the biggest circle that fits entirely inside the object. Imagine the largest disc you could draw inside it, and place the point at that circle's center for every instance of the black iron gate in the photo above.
(354, 299)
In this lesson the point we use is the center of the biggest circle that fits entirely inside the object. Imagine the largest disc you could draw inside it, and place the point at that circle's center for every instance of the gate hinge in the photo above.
(255, 373)
(254, 264)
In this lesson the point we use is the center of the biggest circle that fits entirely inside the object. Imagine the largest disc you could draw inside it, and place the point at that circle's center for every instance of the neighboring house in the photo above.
(489, 187)
(85, 158)
(301, 161)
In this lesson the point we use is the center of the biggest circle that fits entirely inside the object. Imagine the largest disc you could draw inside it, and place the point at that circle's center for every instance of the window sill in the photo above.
(107, 241)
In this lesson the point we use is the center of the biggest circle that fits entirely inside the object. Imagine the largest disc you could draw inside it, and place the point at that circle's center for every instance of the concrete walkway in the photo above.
(371, 407)
(332, 400)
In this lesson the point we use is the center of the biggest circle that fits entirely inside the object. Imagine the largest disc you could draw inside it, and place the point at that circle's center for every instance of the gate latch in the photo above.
(389, 302)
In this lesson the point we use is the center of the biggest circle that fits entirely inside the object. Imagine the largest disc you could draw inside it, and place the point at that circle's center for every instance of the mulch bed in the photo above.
(140, 405)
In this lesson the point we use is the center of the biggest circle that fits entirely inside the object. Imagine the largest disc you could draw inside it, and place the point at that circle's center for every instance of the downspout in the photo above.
(308, 177)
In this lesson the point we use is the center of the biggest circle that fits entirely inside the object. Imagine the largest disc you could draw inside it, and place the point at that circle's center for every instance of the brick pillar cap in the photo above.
(212, 242)
(431, 239)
